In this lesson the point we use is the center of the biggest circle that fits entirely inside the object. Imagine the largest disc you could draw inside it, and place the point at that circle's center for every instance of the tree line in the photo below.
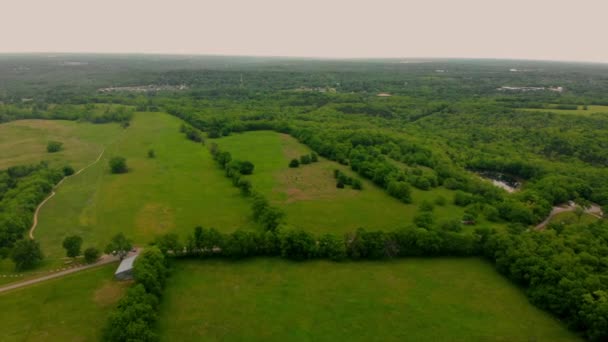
(134, 317)
(22, 188)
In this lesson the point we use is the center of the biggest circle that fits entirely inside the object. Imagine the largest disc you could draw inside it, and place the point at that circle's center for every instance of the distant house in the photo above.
(125, 269)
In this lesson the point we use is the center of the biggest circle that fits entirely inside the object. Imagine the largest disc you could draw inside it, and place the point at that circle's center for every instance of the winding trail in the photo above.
(594, 210)
(35, 221)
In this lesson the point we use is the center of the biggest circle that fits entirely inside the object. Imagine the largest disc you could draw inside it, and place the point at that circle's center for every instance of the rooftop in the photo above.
(126, 264)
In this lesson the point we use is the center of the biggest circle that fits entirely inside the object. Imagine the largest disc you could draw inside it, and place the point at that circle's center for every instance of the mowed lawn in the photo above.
(309, 196)
(402, 300)
(174, 192)
(72, 308)
(24, 142)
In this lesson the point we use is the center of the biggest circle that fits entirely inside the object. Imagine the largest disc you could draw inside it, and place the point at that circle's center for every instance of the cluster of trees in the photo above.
(22, 188)
(135, 315)
(88, 112)
(192, 133)
(234, 169)
(304, 160)
(563, 269)
(342, 180)
(73, 244)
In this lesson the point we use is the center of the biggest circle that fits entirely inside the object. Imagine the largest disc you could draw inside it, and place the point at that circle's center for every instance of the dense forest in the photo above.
(402, 124)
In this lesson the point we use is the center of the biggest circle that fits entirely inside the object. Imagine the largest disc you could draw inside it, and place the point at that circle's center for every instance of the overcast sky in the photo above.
(532, 29)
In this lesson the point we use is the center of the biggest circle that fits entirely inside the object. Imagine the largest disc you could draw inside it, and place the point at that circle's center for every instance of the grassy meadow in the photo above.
(401, 300)
(24, 142)
(570, 217)
(309, 196)
(591, 110)
(175, 191)
(72, 308)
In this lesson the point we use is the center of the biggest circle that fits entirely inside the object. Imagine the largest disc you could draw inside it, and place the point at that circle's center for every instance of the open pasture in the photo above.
(309, 196)
(174, 192)
(401, 300)
(24, 142)
(72, 308)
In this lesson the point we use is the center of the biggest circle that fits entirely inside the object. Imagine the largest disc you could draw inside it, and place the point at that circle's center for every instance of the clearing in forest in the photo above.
(591, 110)
(24, 142)
(309, 196)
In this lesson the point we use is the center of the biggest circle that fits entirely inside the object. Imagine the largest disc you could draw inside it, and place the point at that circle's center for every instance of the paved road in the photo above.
(106, 259)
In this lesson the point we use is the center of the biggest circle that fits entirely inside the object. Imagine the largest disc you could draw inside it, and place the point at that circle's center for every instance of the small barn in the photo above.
(125, 269)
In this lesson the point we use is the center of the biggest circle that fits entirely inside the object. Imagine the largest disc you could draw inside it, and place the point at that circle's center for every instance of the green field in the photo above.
(570, 217)
(404, 300)
(179, 189)
(309, 196)
(591, 110)
(24, 142)
(72, 308)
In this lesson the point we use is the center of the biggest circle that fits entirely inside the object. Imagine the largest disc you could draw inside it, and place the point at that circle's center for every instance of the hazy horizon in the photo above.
(472, 29)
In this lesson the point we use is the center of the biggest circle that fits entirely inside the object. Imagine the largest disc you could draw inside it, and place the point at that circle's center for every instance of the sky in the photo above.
(573, 30)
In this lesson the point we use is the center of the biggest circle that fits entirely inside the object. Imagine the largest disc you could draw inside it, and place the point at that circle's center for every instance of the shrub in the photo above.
(91, 255)
(297, 245)
(314, 158)
(246, 167)
(54, 146)
(305, 159)
(72, 245)
(68, 170)
(118, 165)
(294, 163)
(151, 153)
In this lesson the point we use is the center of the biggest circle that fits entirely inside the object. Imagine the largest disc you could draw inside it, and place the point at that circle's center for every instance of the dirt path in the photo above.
(106, 259)
(35, 221)
(593, 210)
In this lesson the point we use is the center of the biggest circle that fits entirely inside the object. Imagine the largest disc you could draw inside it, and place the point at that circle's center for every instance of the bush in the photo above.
(68, 170)
(314, 158)
(26, 254)
(91, 255)
(294, 163)
(246, 167)
(72, 244)
(54, 146)
(305, 159)
(331, 247)
(245, 186)
(151, 153)
(297, 245)
(118, 165)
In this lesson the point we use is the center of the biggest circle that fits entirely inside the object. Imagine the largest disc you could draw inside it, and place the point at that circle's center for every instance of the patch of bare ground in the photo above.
(311, 182)
(110, 293)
